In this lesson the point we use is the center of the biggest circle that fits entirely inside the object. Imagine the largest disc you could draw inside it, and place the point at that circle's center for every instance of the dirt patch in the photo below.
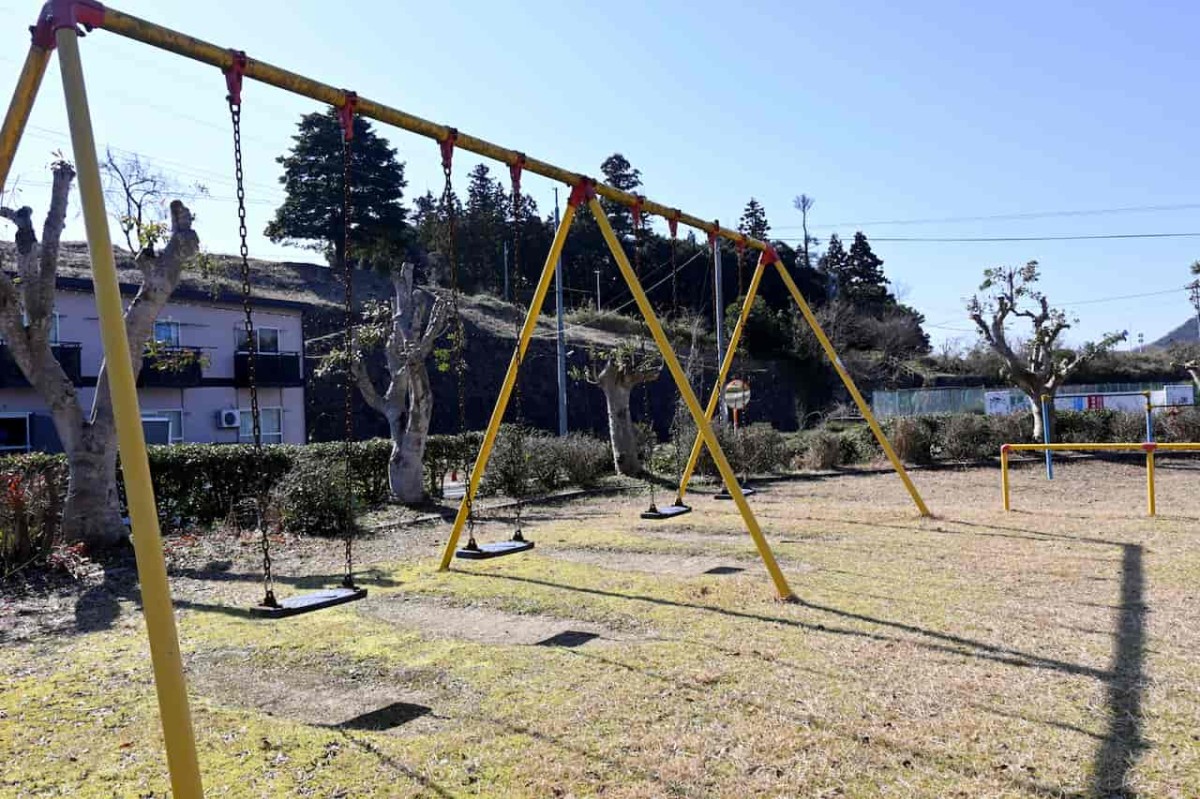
(486, 625)
(347, 700)
(651, 562)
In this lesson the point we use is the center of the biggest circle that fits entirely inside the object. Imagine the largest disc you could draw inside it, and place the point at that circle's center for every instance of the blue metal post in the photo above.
(1149, 419)
(1046, 435)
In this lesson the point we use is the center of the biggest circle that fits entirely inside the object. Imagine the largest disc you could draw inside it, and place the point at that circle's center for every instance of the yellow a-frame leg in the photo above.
(147, 542)
(689, 398)
(28, 83)
(848, 382)
(714, 399)
(510, 378)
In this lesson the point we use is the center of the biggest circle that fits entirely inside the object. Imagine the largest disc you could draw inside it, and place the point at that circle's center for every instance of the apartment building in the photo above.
(194, 383)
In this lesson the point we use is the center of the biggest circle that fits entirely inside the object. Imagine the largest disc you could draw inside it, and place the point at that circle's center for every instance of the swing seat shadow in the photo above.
(388, 717)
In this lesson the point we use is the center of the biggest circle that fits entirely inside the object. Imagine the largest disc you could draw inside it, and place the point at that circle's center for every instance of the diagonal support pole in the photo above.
(510, 378)
(848, 381)
(19, 108)
(689, 397)
(714, 399)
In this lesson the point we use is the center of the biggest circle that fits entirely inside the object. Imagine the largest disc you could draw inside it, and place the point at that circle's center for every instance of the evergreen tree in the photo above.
(620, 174)
(311, 214)
(832, 265)
(484, 231)
(861, 281)
(754, 221)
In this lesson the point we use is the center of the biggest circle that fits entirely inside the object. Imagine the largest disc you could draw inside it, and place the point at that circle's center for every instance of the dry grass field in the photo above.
(1049, 652)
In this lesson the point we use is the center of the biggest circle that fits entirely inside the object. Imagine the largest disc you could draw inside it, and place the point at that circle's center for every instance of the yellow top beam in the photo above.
(149, 33)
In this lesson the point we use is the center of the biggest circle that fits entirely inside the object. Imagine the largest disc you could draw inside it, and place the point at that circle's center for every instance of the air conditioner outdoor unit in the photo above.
(230, 417)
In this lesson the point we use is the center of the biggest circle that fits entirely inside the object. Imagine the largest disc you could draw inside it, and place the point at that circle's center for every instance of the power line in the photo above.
(1011, 216)
(995, 239)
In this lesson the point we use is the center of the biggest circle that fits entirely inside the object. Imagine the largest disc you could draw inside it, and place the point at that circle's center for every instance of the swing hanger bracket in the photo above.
(582, 192)
(769, 256)
(636, 207)
(233, 76)
(713, 234)
(346, 113)
(447, 145)
(514, 170)
(82, 16)
(673, 222)
(740, 244)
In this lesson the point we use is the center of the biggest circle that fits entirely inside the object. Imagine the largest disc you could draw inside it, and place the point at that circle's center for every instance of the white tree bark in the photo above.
(417, 320)
(92, 513)
(617, 381)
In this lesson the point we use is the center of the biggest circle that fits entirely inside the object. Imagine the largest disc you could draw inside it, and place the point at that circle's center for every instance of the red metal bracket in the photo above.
(740, 244)
(1005, 448)
(233, 77)
(346, 114)
(57, 14)
(514, 171)
(582, 192)
(673, 223)
(769, 256)
(1149, 446)
(447, 145)
(637, 211)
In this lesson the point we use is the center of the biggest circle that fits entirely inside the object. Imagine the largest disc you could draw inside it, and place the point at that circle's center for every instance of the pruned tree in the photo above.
(617, 371)
(1040, 364)
(804, 204)
(406, 330)
(88, 435)
(137, 196)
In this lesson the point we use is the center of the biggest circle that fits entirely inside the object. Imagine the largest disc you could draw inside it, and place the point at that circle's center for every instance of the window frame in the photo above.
(162, 413)
(175, 326)
(240, 347)
(248, 438)
(28, 417)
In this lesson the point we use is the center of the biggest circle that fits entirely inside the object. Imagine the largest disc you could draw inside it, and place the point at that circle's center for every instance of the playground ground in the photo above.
(1048, 652)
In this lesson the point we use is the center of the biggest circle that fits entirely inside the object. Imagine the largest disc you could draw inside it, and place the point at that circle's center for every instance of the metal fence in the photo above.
(922, 401)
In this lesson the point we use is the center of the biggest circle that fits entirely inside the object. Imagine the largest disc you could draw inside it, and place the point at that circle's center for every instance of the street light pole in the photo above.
(597, 271)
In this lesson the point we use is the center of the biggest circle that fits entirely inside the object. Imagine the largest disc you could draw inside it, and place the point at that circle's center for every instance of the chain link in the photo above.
(519, 410)
(235, 116)
(348, 387)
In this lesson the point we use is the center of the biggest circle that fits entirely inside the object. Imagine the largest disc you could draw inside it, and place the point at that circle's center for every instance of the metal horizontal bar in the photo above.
(1178, 446)
(149, 33)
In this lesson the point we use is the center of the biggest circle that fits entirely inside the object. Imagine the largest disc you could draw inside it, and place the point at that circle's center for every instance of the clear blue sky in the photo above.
(878, 111)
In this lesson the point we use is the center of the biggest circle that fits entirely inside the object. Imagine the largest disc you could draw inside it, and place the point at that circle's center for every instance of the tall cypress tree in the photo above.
(311, 214)
(862, 279)
(484, 231)
(754, 221)
(620, 174)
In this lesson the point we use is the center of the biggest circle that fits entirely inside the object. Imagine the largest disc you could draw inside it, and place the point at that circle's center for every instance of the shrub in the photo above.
(1082, 427)
(913, 439)
(969, 437)
(1129, 427)
(762, 449)
(31, 504)
(1181, 425)
(858, 445)
(202, 482)
(309, 499)
(824, 450)
(1013, 428)
(583, 458)
(368, 465)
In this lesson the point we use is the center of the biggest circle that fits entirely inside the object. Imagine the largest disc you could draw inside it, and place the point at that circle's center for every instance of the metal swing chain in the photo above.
(235, 115)
(677, 420)
(519, 283)
(458, 350)
(741, 353)
(647, 408)
(348, 388)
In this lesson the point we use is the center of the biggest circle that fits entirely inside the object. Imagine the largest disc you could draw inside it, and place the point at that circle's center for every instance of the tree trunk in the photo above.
(92, 513)
(1037, 417)
(621, 432)
(407, 465)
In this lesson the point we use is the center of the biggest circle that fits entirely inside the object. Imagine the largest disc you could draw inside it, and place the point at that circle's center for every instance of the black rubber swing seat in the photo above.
(308, 603)
(666, 511)
(747, 491)
(496, 549)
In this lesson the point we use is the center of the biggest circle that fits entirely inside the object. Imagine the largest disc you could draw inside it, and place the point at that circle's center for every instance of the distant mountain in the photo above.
(1185, 333)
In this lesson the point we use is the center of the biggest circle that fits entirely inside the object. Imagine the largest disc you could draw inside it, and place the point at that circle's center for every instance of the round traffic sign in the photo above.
(737, 394)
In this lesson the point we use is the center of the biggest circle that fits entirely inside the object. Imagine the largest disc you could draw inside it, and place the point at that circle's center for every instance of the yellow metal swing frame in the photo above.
(59, 26)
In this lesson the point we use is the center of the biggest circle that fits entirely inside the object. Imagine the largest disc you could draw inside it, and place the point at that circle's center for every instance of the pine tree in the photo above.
(311, 214)
(754, 221)
(620, 174)
(862, 281)
(484, 231)
(832, 265)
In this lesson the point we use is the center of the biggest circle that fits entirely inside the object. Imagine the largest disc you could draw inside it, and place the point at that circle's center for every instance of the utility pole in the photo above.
(506, 271)
(562, 342)
(1194, 288)
(597, 271)
(719, 315)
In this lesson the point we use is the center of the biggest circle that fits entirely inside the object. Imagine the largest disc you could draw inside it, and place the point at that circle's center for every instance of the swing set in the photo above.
(59, 26)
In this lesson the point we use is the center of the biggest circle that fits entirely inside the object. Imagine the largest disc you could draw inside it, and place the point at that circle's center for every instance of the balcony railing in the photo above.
(66, 353)
(172, 367)
(274, 369)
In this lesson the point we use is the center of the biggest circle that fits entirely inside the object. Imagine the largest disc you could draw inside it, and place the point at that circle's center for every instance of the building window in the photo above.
(175, 418)
(14, 432)
(266, 338)
(167, 333)
(53, 326)
(270, 424)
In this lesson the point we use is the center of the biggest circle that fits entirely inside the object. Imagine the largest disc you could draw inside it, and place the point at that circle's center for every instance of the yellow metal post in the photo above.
(1004, 476)
(848, 381)
(689, 397)
(28, 83)
(1150, 505)
(152, 573)
(714, 399)
(510, 379)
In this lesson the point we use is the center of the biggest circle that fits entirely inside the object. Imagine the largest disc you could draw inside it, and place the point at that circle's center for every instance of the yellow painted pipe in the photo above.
(510, 379)
(19, 108)
(1150, 504)
(1004, 487)
(848, 382)
(782, 588)
(714, 399)
(152, 573)
(146, 32)
(1120, 446)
